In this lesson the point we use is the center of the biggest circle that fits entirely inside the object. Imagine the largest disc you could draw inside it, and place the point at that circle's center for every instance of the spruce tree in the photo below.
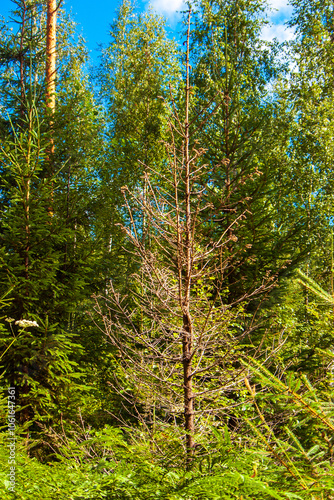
(249, 138)
(47, 215)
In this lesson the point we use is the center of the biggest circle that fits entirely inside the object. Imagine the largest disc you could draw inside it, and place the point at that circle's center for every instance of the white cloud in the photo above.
(281, 5)
(167, 7)
(279, 31)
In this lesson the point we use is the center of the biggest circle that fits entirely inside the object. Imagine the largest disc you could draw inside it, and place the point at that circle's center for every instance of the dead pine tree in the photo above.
(174, 333)
(185, 248)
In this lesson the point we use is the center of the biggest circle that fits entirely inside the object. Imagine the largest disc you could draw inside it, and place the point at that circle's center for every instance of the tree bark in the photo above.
(51, 55)
(50, 74)
(187, 341)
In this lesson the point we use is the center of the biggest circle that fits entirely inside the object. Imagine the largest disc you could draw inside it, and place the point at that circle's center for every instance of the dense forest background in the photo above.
(167, 255)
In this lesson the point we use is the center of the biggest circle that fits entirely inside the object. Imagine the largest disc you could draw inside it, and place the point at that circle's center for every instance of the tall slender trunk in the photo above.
(51, 55)
(187, 337)
(50, 74)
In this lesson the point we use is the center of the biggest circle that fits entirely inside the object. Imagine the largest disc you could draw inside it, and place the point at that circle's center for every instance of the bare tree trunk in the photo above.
(51, 55)
(50, 73)
(187, 336)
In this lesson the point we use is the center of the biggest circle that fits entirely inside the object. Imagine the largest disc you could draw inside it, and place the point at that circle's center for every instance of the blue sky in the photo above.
(95, 16)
